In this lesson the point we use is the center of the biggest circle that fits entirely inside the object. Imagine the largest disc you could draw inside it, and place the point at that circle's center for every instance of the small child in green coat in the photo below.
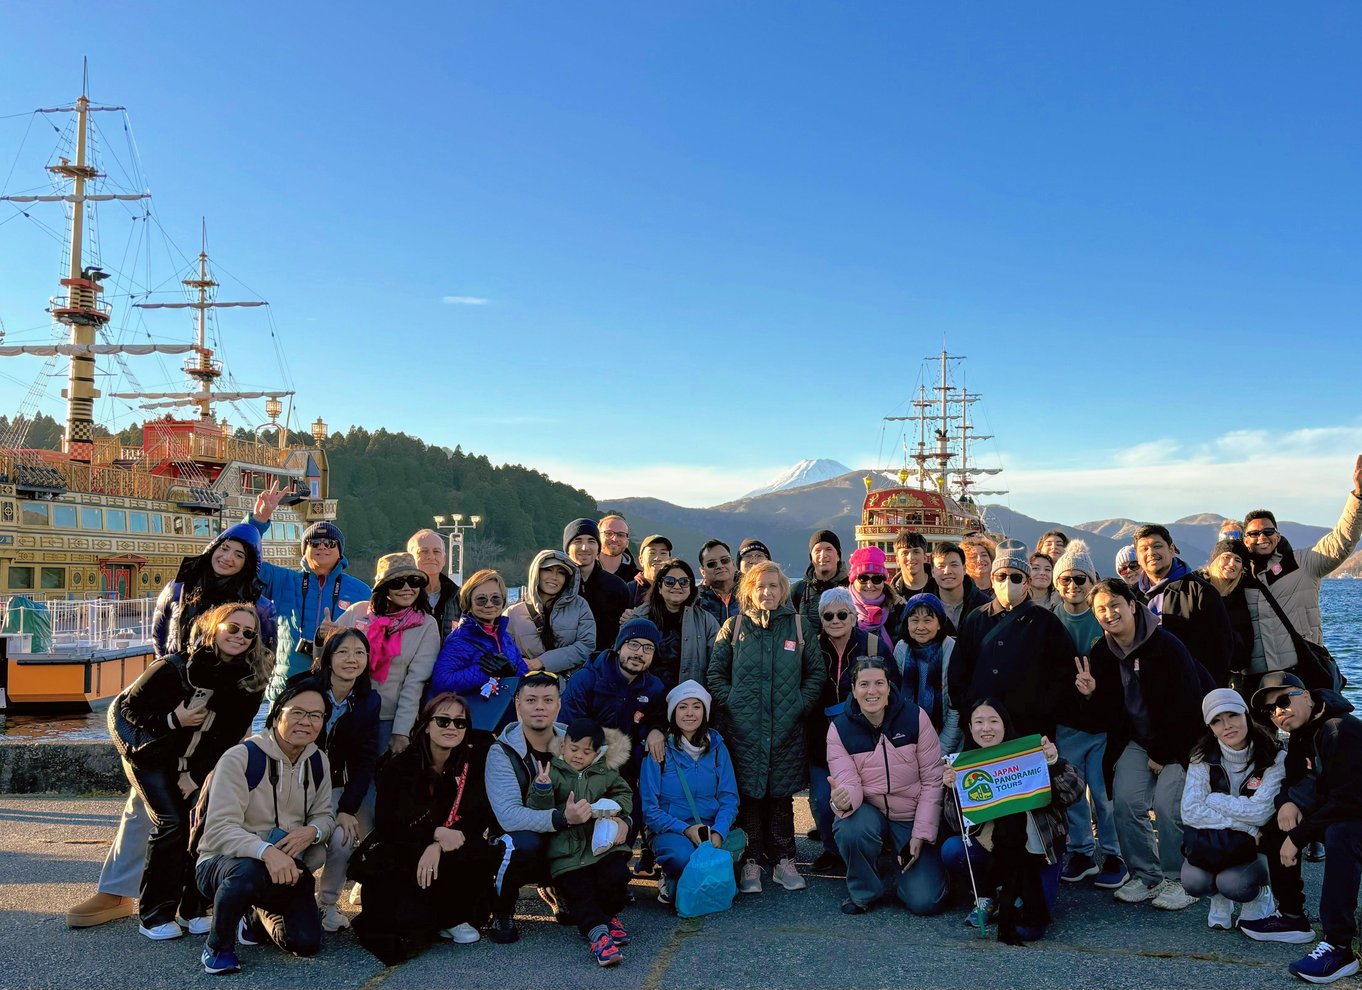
(590, 862)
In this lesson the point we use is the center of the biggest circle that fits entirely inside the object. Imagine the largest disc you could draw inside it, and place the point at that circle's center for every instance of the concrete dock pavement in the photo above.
(51, 849)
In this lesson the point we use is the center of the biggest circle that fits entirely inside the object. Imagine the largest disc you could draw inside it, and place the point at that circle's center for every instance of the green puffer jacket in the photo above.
(764, 687)
(570, 849)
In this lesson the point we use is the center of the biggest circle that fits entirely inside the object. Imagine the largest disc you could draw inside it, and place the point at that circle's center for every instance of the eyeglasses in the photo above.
(409, 581)
(1283, 702)
(611, 534)
(450, 721)
(642, 645)
(870, 579)
(675, 582)
(1077, 580)
(1266, 533)
(237, 629)
(323, 543)
(482, 601)
(841, 616)
(303, 715)
(720, 562)
(1014, 577)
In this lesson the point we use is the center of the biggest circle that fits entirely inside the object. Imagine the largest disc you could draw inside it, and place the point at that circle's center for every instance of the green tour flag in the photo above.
(1002, 780)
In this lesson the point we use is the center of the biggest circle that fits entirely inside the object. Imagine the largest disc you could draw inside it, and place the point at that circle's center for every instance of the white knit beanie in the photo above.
(1076, 558)
(684, 690)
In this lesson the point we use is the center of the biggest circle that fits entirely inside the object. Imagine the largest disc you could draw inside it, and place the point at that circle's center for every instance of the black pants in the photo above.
(769, 824)
(1342, 876)
(238, 885)
(596, 893)
(168, 877)
(1287, 885)
(524, 860)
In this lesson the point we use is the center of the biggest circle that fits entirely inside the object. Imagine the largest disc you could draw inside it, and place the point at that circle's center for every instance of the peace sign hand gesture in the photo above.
(267, 501)
(1084, 682)
(543, 777)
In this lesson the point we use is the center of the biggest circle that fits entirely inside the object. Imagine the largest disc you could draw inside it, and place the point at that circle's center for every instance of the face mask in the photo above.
(1011, 594)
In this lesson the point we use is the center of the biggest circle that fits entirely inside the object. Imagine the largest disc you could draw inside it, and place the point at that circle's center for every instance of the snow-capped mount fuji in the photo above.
(803, 473)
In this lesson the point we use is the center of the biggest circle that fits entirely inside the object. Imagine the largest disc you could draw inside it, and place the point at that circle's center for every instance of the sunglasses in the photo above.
(1262, 534)
(1283, 702)
(870, 579)
(484, 600)
(323, 543)
(536, 676)
(237, 629)
(1127, 568)
(675, 582)
(450, 721)
(721, 562)
(1014, 578)
(1077, 580)
(410, 581)
(841, 616)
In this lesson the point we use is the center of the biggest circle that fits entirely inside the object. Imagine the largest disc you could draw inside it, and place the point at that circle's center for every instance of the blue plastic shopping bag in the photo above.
(707, 885)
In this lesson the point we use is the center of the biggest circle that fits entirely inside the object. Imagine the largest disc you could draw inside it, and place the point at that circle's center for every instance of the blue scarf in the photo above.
(922, 679)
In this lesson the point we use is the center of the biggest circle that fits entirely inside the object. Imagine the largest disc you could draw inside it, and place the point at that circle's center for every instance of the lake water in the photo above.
(1340, 601)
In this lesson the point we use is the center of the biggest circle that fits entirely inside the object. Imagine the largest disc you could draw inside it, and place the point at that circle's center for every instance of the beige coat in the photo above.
(410, 671)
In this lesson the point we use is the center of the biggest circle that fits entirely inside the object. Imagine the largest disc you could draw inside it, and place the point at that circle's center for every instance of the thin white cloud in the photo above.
(465, 301)
(694, 485)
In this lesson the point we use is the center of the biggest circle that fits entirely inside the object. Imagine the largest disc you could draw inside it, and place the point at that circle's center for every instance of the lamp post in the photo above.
(456, 527)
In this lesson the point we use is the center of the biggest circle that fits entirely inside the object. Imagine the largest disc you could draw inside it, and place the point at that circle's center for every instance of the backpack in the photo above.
(257, 762)
(737, 624)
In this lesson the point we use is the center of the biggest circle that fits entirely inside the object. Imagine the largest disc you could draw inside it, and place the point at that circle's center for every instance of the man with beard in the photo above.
(1187, 605)
(606, 594)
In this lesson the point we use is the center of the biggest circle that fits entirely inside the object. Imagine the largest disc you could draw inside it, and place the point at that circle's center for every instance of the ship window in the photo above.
(179, 524)
(34, 513)
(158, 523)
(64, 516)
(53, 577)
(137, 522)
(203, 526)
(21, 578)
(115, 520)
(91, 518)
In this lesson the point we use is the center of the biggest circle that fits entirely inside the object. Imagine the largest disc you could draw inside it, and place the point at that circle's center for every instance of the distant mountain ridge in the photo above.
(804, 473)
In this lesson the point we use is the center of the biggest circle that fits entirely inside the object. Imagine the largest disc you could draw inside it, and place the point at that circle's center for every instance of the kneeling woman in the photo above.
(885, 763)
(695, 781)
(426, 867)
(1015, 860)
(1235, 772)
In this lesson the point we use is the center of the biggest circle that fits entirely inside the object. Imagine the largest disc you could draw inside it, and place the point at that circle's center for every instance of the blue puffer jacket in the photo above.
(457, 668)
(170, 623)
(710, 778)
(599, 691)
(297, 618)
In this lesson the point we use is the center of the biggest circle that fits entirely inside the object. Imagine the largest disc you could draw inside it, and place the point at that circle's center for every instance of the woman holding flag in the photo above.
(1013, 861)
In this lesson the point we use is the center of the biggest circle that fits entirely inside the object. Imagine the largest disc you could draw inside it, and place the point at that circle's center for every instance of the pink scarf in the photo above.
(871, 616)
(385, 639)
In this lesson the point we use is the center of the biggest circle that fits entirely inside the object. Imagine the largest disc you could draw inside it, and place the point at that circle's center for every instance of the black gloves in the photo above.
(496, 665)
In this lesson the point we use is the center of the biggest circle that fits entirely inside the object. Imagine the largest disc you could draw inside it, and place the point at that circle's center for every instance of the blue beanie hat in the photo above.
(926, 600)
(326, 530)
(638, 629)
(581, 527)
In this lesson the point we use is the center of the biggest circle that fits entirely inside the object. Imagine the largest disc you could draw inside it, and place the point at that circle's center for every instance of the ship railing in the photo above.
(93, 624)
(100, 479)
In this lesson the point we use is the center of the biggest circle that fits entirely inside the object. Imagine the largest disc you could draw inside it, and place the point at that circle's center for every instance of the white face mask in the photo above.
(1011, 594)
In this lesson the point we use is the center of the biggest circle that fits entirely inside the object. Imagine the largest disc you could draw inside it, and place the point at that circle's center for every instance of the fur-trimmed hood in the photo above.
(613, 755)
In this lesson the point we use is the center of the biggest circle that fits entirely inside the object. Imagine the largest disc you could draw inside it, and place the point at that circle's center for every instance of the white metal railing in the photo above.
(99, 624)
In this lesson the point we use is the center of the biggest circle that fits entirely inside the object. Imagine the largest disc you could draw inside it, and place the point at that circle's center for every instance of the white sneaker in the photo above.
(1262, 906)
(787, 875)
(333, 920)
(163, 932)
(1173, 898)
(1135, 890)
(201, 925)
(1221, 915)
(750, 883)
(464, 934)
(355, 895)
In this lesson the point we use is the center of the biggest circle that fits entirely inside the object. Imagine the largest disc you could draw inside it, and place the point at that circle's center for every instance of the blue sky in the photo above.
(670, 249)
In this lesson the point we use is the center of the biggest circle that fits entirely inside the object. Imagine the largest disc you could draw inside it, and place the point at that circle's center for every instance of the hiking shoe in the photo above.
(1326, 964)
(1114, 874)
(333, 920)
(504, 930)
(248, 929)
(666, 889)
(1135, 890)
(829, 862)
(464, 934)
(1173, 898)
(618, 934)
(750, 883)
(851, 907)
(1279, 928)
(787, 875)
(605, 950)
(1221, 915)
(163, 932)
(1079, 867)
(984, 914)
(99, 908)
(217, 963)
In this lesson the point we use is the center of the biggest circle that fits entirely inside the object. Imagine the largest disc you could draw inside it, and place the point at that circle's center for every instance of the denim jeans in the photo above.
(861, 838)
(338, 852)
(820, 804)
(1137, 791)
(238, 884)
(1085, 751)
